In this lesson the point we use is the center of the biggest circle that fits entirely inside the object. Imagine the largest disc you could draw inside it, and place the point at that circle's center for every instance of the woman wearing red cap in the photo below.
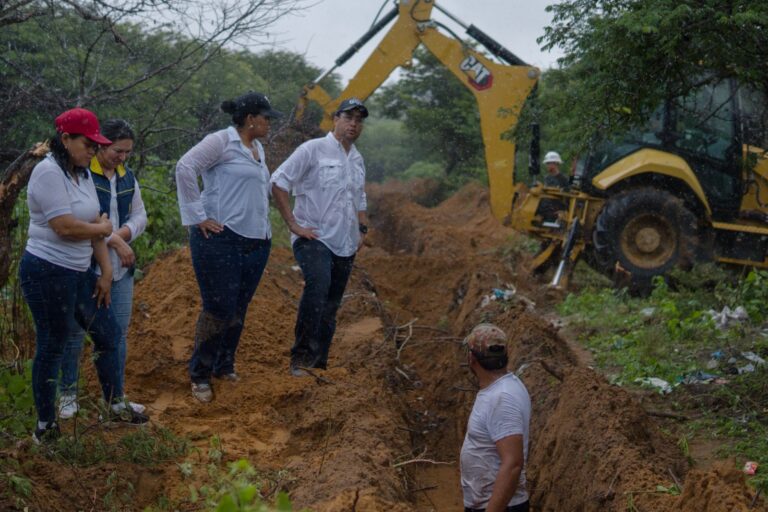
(65, 232)
(229, 232)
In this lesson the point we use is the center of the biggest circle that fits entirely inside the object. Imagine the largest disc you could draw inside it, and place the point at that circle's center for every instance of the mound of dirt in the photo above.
(381, 429)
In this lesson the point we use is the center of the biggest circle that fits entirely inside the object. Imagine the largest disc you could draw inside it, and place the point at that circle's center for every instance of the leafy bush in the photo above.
(422, 169)
(752, 293)
(237, 490)
(17, 405)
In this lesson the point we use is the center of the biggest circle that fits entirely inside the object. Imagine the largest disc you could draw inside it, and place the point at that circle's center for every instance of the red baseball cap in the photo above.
(79, 121)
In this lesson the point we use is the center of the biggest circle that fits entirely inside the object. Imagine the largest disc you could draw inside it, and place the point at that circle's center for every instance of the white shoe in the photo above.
(68, 406)
(139, 408)
(202, 391)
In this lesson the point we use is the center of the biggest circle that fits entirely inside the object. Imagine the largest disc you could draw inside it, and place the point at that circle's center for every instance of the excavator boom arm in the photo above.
(500, 89)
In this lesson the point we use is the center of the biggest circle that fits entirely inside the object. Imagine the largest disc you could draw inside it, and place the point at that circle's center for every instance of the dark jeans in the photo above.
(122, 302)
(59, 299)
(325, 278)
(522, 507)
(228, 268)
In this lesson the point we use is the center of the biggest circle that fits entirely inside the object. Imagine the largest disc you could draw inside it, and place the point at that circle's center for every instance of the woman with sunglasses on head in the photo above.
(229, 232)
(120, 198)
(66, 230)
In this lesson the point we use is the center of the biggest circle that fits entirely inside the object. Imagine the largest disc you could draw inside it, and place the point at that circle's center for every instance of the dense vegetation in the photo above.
(698, 340)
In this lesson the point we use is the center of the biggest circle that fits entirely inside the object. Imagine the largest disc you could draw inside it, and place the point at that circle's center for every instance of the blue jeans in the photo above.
(325, 278)
(122, 302)
(60, 299)
(228, 268)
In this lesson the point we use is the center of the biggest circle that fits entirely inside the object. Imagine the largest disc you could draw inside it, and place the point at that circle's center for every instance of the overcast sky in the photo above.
(323, 32)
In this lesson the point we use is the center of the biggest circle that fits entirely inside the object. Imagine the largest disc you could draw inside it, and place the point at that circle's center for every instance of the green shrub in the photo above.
(17, 405)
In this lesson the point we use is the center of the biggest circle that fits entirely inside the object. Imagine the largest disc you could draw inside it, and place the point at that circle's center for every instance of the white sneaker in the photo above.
(68, 406)
(139, 408)
(202, 391)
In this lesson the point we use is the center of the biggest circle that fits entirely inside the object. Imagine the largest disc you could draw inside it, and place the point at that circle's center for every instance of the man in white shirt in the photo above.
(496, 444)
(328, 224)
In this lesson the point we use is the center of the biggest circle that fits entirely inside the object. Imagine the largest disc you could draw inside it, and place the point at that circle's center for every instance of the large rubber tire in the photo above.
(642, 233)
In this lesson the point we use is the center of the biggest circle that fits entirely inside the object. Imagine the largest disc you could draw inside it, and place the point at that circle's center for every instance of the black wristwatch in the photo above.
(363, 229)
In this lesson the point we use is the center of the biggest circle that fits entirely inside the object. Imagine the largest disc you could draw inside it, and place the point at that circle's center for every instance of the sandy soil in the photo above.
(381, 429)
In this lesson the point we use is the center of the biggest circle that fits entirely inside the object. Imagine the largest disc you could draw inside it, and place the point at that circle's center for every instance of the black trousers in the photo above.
(522, 507)
(325, 278)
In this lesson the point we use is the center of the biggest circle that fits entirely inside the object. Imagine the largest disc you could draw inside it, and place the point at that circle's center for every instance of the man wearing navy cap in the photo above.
(328, 225)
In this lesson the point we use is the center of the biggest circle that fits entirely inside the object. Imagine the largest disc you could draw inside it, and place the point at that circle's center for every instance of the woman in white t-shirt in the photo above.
(66, 230)
(229, 232)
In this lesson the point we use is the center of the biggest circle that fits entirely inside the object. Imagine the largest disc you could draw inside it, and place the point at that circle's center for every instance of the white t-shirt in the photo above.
(235, 185)
(502, 409)
(50, 194)
(329, 185)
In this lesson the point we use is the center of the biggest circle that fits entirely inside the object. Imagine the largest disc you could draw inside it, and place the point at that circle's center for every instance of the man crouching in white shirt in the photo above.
(328, 224)
(496, 445)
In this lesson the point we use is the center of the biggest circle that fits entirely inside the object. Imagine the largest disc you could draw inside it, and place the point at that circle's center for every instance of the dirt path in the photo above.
(381, 429)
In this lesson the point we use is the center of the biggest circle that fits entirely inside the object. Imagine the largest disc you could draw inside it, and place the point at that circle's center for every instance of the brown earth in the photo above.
(381, 429)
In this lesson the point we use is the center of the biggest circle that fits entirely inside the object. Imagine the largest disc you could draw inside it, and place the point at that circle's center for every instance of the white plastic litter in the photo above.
(727, 316)
(751, 356)
(749, 368)
(660, 384)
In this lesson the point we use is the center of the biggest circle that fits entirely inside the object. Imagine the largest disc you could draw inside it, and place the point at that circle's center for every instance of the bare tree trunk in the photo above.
(14, 179)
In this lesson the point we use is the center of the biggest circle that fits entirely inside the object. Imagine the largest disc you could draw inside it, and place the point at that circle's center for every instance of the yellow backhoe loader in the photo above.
(692, 185)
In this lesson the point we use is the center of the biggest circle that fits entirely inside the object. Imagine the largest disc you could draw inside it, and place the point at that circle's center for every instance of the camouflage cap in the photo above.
(484, 336)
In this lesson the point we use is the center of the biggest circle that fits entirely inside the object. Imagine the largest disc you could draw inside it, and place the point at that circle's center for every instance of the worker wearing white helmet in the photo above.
(554, 177)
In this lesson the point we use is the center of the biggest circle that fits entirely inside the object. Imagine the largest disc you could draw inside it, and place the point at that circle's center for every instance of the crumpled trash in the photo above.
(504, 294)
(717, 354)
(750, 467)
(748, 368)
(727, 317)
(751, 356)
(647, 312)
(698, 377)
(296, 268)
(662, 385)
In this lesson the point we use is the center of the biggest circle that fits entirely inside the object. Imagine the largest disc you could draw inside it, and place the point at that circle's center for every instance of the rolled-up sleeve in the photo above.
(201, 157)
(137, 222)
(292, 171)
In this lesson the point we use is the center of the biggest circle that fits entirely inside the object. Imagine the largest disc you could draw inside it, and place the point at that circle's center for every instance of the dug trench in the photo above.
(381, 429)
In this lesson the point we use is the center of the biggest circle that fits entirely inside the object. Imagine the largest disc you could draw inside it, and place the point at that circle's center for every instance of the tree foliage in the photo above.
(138, 57)
(624, 57)
(439, 113)
(167, 82)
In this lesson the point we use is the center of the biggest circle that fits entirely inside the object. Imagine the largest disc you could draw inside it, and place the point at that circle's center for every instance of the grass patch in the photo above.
(234, 486)
(145, 446)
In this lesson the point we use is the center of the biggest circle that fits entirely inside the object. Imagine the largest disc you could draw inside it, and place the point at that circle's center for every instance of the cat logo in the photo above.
(480, 77)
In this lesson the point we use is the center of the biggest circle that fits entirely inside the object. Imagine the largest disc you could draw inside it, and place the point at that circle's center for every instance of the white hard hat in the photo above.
(553, 157)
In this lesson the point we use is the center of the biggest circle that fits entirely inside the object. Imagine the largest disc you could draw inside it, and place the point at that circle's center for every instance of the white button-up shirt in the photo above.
(235, 185)
(329, 186)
